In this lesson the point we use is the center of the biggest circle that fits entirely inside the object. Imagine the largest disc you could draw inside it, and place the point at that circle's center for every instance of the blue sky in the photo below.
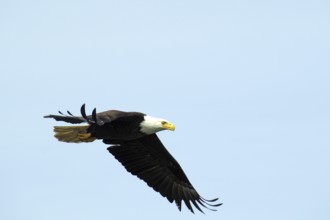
(246, 83)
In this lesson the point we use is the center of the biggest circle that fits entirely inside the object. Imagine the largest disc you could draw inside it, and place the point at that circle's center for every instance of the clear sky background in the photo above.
(247, 84)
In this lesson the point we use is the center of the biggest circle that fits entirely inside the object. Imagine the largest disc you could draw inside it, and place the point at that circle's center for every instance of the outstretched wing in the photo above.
(67, 118)
(94, 118)
(148, 159)
(73, 119)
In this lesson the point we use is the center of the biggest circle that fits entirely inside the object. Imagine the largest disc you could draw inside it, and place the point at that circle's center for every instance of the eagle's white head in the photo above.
(151, 125)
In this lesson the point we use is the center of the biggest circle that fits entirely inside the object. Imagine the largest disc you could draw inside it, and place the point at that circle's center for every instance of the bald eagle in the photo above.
(134, 143)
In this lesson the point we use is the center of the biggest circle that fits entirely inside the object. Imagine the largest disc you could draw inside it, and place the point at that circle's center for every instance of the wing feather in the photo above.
(95, 118)
(148, 159)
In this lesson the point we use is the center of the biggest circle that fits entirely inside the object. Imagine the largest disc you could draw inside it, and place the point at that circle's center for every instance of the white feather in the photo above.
(151, 125)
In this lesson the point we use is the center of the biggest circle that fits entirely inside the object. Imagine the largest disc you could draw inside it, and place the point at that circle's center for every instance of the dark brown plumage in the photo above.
(136, 146)
(148, 159)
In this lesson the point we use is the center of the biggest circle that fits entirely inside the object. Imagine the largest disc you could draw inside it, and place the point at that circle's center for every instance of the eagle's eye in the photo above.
(164, 122)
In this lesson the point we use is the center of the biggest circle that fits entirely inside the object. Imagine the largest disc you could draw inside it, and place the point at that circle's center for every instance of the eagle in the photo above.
(134, 143)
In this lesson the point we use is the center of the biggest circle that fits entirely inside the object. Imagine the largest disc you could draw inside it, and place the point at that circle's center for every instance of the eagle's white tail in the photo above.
(73, 134)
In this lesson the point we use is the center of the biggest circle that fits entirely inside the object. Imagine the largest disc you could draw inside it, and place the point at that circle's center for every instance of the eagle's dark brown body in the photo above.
(136, 146)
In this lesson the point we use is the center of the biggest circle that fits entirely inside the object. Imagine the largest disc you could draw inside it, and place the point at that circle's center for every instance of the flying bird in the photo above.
(134, 143)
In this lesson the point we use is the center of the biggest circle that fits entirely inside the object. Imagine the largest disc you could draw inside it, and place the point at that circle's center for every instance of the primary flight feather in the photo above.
(134, 143)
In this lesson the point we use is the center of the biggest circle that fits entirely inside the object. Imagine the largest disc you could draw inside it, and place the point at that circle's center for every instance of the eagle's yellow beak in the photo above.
(168, 126)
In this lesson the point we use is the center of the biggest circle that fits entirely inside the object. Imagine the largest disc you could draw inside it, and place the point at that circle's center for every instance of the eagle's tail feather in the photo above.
(73, 134)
